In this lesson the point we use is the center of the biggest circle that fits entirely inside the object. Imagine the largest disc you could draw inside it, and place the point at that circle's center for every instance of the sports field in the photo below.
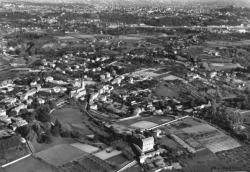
(143, 125)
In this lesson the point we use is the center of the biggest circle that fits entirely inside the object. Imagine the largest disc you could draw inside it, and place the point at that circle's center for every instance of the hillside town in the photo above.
(124, 88)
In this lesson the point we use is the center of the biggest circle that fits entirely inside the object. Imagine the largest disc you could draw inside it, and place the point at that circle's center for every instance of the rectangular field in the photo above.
(60, 154)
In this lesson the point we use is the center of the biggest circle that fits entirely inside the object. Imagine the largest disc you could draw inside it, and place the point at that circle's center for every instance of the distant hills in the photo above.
(243, 3)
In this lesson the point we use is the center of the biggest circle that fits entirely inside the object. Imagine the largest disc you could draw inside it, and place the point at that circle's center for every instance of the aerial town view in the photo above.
(125, 86)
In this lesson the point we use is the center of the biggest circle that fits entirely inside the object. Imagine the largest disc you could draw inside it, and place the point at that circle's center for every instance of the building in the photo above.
(144, 144)
(147, 144)
(2, 112)
(29, 93)
(20, 107)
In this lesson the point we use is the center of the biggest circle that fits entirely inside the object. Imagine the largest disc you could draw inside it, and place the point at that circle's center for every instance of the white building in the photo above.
(2, 112)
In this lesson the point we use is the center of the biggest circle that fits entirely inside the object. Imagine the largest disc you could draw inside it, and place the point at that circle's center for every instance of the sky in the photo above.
(245, 3)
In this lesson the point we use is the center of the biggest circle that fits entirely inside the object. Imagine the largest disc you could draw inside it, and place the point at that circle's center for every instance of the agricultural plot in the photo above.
(60, 154)
(238, 158)
(29, 164)
(85, 147)
(119, 160)
(211, 138)
(202, 161)
(107, 153)
(87, 163)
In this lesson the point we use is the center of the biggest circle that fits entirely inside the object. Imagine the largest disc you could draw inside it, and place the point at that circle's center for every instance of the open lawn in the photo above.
(37, 147)
(71, 117)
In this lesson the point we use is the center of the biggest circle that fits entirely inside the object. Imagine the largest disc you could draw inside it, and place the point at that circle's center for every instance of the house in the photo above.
(29, 93)
(33, 84)
(40, 100)
(94, 107)
(6, 83)
(5, 119)
(18, 122)
(18, 108)
(9, 100)
(2, 112)
(49, 79)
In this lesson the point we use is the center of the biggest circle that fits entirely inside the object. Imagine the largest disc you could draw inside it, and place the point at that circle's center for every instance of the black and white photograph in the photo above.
(124, 85)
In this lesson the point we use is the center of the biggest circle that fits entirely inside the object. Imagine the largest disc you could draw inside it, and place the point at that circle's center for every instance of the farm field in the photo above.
(135, 168)
(87, 163)
(203, 161)
(238, 158)
(120, 160)
(66, 153)
(106, 155)
(211, 138)
(85, 147)
(28, 165)
(200, 135)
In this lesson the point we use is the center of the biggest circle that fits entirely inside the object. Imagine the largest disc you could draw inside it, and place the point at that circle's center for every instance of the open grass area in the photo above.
(71, 117)
(37, 147)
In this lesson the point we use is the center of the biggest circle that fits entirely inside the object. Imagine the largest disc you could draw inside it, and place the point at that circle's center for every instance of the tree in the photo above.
(24, 130)
(65, 133)
(29, 116)
(43, 113)
(55, 130)
(45, 138)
